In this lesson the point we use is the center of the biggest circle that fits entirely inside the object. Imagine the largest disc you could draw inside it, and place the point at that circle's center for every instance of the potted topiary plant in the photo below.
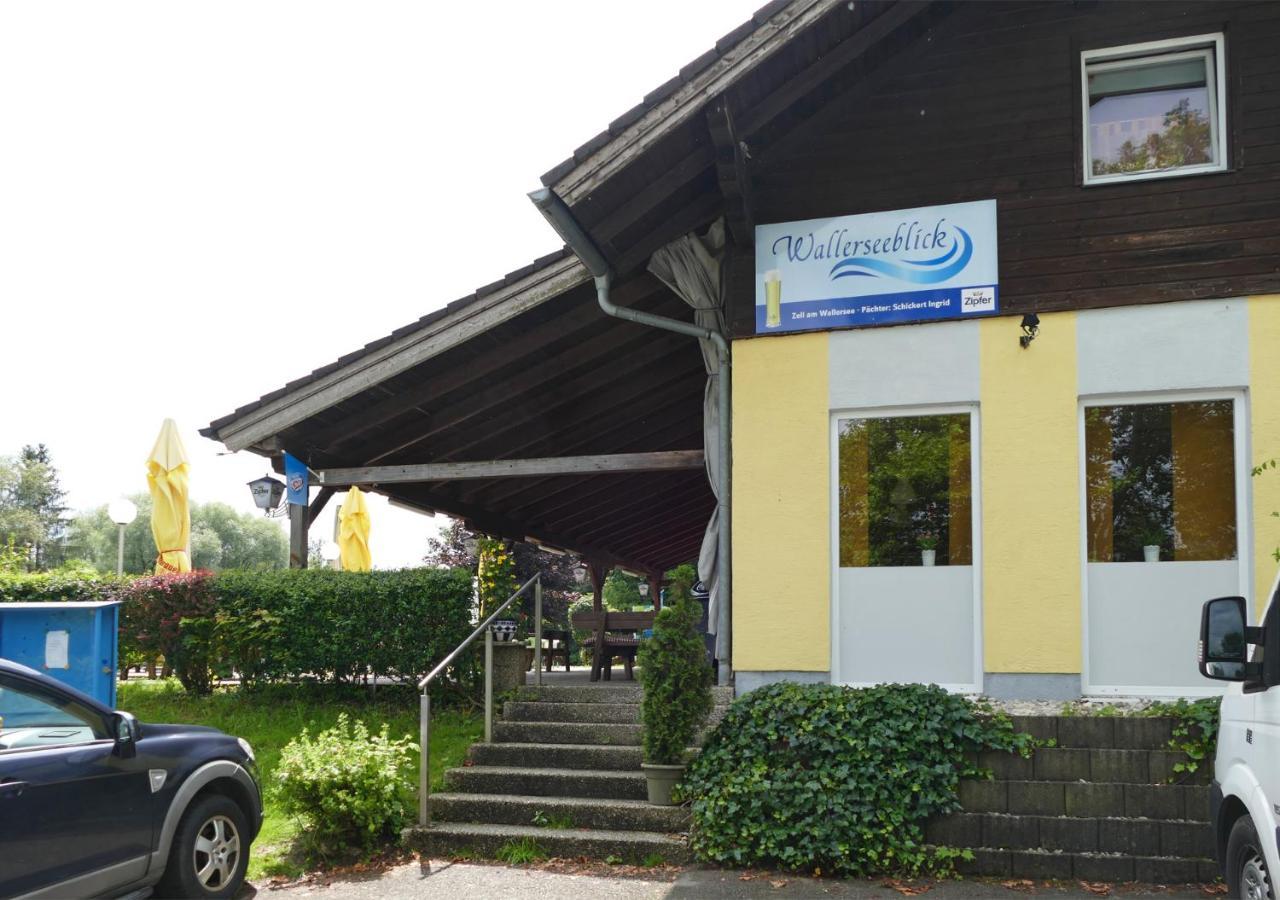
(676, 677)
(928, 543)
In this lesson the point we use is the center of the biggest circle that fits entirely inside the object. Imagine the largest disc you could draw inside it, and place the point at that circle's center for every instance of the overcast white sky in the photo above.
(201, 202)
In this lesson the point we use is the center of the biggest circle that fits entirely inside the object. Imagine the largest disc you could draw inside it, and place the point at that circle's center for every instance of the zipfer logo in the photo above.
(978, 299)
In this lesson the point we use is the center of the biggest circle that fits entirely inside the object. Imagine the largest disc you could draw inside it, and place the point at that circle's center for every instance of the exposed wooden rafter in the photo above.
(662, 461)
(732, 159)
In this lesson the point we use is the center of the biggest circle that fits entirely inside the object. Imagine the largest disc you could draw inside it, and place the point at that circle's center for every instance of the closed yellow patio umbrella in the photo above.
(353, 533)
(167, 473)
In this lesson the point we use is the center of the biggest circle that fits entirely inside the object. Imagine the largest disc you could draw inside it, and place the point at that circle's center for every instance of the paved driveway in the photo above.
(470, 881)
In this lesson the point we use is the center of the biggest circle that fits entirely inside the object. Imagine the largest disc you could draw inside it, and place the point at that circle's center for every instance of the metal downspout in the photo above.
(561, 218)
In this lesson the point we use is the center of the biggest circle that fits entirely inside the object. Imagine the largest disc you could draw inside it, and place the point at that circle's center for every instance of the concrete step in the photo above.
(542, 711)
(1082, 799)
(556, 756)
(640, 847)
(566, 733)
(560, 812)
(1100, 732)
(1106, 765)
(1087, 867)
(1132, 837)
(627, 692)
(607, 713)
(597, 783)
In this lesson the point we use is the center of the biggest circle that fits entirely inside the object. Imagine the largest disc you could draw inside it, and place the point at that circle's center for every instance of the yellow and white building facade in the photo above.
(939, 503)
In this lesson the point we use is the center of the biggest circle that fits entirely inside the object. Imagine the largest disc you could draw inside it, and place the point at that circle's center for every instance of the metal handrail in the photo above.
(424, 702)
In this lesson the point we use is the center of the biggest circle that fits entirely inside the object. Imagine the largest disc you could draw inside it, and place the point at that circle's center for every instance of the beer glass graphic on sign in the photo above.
(772, 298)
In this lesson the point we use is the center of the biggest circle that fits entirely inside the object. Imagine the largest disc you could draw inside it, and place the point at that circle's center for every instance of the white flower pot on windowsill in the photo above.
(927, 557)
(1151, 553)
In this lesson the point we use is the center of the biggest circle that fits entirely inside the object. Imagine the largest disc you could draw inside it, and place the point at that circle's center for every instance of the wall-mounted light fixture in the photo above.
(1030, 328)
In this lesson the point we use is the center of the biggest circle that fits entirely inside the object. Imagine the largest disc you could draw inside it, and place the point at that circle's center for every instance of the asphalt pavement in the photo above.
(439, 879)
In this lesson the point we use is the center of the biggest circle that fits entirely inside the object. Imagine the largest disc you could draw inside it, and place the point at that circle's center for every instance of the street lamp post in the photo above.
(121, 511)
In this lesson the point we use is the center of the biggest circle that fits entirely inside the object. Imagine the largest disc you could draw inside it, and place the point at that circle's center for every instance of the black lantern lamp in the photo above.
(1030, 328)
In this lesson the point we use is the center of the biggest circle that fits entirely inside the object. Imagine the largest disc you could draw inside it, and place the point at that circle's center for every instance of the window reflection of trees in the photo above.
(1186, 139)
(1161, 475)
(904, 486)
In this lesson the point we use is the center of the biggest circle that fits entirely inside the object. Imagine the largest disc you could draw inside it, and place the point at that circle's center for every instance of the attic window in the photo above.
(1154, 110)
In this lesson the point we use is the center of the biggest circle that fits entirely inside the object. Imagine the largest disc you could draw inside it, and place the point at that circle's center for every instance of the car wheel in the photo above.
(210, 851)
(1247, 875)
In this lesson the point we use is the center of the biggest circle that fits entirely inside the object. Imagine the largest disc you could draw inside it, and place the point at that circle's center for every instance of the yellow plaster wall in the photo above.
(1264, 414)
(1030, 497)
(781, 505)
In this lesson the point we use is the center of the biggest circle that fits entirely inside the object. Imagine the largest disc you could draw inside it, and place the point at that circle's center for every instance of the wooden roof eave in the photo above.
(256, 428)
(687, 100)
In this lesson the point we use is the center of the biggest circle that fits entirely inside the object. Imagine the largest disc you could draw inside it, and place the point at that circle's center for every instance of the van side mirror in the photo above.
(1224, 640)
(125, 730)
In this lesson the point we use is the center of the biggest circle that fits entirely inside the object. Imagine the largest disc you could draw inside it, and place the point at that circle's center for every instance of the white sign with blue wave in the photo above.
(909, 265)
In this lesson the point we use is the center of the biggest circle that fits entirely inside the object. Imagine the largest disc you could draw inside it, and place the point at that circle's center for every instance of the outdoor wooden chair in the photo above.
(614, 635)
(555, 644)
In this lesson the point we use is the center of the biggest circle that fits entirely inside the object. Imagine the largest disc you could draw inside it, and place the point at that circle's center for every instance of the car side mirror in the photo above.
(1224, 640)
(125, 730)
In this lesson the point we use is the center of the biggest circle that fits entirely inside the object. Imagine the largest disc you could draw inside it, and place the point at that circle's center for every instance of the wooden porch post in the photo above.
(655, 591)
(299, 522)
(599, 572)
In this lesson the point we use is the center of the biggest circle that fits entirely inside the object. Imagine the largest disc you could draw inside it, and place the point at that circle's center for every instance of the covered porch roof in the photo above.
(524, 368)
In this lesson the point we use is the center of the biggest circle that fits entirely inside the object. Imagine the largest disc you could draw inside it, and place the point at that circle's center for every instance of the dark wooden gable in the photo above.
(984, 102)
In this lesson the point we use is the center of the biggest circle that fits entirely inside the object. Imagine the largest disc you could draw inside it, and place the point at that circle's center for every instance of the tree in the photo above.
(31, 504)
(221, 538)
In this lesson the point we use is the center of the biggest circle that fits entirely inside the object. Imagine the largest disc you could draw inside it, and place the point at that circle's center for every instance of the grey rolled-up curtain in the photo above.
(690, 266)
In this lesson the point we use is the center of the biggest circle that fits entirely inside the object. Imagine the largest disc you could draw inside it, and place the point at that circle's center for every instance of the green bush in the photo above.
(348, 785)
(837, 780)
(676, 676)
(162, 615)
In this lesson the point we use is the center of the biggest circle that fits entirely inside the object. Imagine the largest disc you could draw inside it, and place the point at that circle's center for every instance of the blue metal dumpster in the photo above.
(72, 642)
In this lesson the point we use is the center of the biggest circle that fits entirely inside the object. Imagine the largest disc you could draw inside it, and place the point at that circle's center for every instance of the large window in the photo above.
(1161, 481)
(905, 491)
(1154, 109)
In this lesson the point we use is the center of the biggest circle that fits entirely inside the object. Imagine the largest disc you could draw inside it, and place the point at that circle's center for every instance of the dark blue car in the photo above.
(95, 804)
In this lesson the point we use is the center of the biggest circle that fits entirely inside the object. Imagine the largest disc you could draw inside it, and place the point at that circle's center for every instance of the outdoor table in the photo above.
(614, 634)
(549, 649)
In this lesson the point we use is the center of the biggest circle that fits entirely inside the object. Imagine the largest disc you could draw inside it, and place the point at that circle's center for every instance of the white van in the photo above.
(1245, 796)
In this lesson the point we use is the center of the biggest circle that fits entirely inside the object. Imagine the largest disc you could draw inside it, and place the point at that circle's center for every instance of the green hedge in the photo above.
(281, 625)
(38, 587)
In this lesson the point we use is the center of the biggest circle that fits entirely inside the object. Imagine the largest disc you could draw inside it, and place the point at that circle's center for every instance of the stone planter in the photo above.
(928, 557)
(508, 666)
(660, 781)
(1151, 553)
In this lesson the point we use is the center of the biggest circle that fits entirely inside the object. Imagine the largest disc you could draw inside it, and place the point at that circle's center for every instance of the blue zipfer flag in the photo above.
(295, 479)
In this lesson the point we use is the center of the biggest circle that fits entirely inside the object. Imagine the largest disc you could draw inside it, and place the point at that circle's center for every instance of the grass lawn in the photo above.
(269, 718)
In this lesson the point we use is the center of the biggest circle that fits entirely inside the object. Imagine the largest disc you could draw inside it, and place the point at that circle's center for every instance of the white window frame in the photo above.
(973, 411)
(1241, 423)
(1210, 46)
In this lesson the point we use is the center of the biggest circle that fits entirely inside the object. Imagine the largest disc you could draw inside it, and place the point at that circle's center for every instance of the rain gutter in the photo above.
(561, 218)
